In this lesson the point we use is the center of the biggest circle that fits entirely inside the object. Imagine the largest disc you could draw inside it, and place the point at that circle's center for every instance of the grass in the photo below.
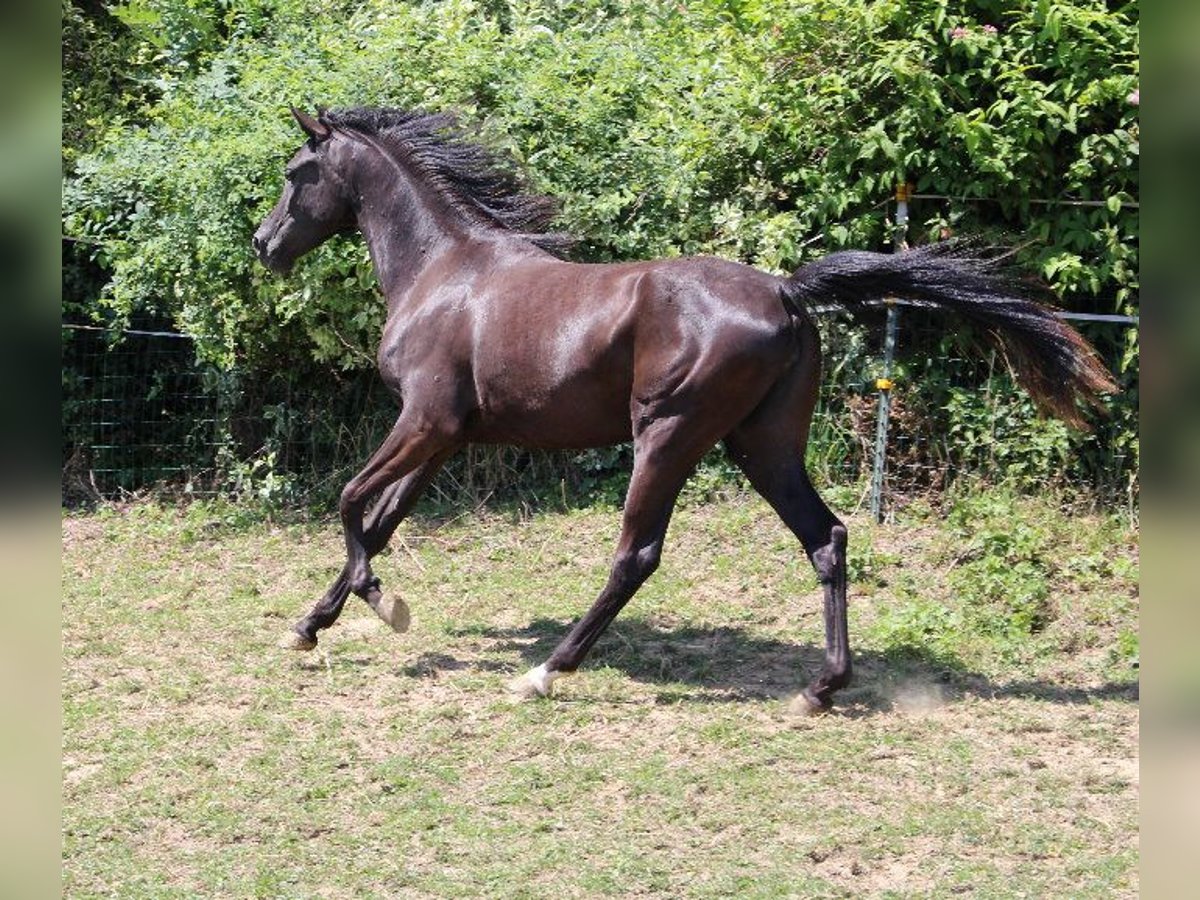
(199, 760)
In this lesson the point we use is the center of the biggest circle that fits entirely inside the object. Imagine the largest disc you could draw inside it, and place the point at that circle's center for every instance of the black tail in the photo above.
(1050, 359)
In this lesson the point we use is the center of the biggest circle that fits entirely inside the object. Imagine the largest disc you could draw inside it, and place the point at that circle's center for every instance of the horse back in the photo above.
(542, 352)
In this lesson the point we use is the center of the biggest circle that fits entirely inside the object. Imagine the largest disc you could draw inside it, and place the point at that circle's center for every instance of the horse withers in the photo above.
(491, 337)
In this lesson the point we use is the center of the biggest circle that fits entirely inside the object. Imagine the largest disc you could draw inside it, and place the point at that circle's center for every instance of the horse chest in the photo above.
(422, 349)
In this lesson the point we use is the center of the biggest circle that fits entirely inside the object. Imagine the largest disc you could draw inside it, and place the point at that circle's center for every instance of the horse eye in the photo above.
(292, 173)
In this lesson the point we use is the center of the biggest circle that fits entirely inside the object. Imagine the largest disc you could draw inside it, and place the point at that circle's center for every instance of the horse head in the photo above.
(316, 202)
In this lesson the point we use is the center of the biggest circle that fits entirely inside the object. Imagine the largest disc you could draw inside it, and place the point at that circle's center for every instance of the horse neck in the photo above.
(406, 223)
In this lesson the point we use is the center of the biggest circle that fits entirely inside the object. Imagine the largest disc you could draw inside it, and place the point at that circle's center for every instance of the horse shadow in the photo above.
(726, 664)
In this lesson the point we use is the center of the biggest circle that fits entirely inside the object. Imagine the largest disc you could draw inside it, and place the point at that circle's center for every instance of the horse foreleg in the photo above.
(391, 508)
(413, 441)
(661, 466)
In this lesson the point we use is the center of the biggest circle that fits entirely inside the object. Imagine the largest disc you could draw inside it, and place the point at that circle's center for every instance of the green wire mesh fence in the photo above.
(139, 413)
(136, 411)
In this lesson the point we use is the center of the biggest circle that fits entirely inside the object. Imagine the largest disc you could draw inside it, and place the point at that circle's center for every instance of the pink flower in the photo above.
(957, 34)
(990, 29)
(1135, 97)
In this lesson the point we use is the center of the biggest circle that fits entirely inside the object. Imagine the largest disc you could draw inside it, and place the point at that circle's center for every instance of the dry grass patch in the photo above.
(200, 760)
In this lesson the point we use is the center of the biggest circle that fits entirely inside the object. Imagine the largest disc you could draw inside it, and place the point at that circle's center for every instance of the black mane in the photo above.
(479, 181)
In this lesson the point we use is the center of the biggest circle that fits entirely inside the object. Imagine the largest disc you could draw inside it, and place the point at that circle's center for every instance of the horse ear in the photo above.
(314, 128)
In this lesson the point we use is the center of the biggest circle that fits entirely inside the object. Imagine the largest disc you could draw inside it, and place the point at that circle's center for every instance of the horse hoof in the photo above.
(394, 612)
(293, 640)
(523, 688)
(533, 684)
(805, 706)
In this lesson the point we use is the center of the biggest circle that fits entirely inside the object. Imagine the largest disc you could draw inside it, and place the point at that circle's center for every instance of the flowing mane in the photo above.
(480, 182)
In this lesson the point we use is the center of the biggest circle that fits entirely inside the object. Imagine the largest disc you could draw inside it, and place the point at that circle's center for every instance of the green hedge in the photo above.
(765, 130)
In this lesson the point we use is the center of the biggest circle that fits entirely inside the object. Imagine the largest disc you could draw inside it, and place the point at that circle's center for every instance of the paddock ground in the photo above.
(200, 760)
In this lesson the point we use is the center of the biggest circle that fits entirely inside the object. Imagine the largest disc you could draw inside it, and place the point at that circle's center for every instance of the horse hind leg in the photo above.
(779, 475)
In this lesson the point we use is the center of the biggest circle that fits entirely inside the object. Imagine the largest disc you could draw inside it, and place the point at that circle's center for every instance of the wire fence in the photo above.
(936, 409)
(1121, 466)
(139, 413)
(907, 409)
(137, 410)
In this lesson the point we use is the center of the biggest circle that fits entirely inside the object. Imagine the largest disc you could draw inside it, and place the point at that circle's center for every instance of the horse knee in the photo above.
(350, 499)
(648, 559)
(631, 568)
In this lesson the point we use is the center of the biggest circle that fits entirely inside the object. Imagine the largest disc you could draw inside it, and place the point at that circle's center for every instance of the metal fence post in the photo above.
(884, 383)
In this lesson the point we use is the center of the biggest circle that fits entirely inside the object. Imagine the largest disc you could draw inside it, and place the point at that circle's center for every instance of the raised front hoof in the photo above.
(533, 685)
(393, 611)
(806, 705)
(294, 640)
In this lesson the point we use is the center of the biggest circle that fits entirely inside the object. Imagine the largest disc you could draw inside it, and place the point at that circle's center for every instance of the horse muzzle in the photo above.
(266, 248)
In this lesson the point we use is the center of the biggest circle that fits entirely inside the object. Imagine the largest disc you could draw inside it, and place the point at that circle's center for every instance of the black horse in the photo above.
(492, 338)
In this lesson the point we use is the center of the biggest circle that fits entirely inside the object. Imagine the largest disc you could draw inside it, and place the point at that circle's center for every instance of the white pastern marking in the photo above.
(542, 678)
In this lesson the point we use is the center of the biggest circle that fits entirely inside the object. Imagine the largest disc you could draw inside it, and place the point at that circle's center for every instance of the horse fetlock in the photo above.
(832, 679)
(840, 679)
(367, 586)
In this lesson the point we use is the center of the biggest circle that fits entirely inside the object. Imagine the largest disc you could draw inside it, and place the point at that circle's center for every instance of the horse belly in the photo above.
(569, 415)
(566, 386)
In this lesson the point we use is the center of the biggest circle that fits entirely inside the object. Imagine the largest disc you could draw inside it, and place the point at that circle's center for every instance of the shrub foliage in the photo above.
(762, 130)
